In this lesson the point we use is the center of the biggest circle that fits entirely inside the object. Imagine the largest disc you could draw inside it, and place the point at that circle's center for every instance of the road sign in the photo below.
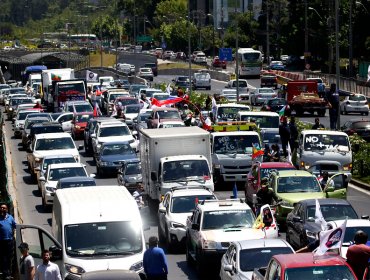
(144, 39)
(225, 54)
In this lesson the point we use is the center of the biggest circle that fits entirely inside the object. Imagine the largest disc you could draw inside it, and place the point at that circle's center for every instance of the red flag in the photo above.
(96, 112)
(169, 101)
(256, 151)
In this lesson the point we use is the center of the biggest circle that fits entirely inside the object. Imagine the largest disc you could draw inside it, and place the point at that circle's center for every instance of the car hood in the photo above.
(180, 217)
(117, 157)
(295, 197)
(133, 178)
(229, 235)
(41, 154)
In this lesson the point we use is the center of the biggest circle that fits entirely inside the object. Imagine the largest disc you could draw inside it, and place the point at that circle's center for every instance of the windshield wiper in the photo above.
(78, 253)
(237, 226)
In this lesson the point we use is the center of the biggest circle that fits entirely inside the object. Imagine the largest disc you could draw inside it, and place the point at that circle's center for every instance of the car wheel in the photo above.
(199, 267)
(99, 172)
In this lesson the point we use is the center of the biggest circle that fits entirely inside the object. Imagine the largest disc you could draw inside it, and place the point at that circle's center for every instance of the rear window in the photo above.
(357, 98)
(336, 272)
(248, 260)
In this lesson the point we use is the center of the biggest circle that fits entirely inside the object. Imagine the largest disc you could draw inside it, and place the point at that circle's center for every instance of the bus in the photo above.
(250, 62)
(84, 39)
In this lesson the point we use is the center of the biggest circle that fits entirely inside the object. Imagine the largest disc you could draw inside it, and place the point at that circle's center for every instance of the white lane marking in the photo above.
(359, 189)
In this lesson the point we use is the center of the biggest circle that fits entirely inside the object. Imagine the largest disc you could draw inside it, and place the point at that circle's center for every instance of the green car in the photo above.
(292, 186)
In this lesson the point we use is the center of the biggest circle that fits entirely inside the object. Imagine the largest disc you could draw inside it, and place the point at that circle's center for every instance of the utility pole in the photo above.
(337, 69)
(350, 39)
(236, 53)
(189, 49)
(305, 34)
(267, 33)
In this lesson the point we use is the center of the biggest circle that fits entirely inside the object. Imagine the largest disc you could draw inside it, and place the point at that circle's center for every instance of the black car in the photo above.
(274, 105)
(269, 80)
(89, 129)
(44, 127)
(301, 226)
(153, 66)
(359, 126)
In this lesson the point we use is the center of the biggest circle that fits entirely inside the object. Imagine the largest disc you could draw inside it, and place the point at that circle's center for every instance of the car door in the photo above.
(162, 215)
(66, 121)
(339, 182)
(38, 239)
(193, 232)
(294, 224)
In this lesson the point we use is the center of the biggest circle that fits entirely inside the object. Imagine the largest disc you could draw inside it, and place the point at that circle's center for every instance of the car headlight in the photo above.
(77, 127)
(208, 244)
(74, 269)
(304, 165)
(347, 167)
(50, 189)
(137, 266)
(176, 225)
(10, 109)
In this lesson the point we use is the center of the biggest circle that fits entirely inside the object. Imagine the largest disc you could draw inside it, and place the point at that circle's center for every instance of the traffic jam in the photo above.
(283, 212)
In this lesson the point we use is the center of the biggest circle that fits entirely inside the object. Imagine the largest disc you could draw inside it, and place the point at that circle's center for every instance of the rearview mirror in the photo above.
(228, 268)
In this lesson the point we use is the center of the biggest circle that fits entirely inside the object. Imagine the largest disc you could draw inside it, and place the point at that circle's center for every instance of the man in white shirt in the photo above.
(47, 270)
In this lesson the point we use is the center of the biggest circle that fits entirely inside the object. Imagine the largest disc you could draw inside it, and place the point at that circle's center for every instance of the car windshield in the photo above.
(132, 110)
(265, 172)
(266, 90)
(45, 129)
(248, 260)
(114, 131)
(224, 219)
(332, 212)
(133, 168)
(326, 142)
(262, 121)
(56, 174)
(240, 144)
(22, 115)
(332, 272)
(48, 161)
(296, 184)
(83, 118)
(128, 101)
(117, 149)
(357, 97)
(186, 204)
(251, 56)
(168, 114)
(277, 101)
(54, 144)
(185, 170)
(113, 96)
(17, 101)
(80, 108)
(242, 84)
(361, 124)
(111, 238)
(227, 113)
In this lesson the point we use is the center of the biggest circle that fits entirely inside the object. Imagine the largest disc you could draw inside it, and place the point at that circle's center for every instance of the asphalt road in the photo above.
(30, 208)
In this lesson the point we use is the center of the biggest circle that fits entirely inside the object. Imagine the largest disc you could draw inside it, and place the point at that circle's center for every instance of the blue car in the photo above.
(112, 155)
(277, 65)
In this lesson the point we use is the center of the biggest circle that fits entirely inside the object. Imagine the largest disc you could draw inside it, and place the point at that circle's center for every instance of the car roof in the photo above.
(53, 135)
(325, 201)
(290, 173)
(112, 124)
(308, 260)
(76, 179)
(275, 164)
(65, 165)
(58, 156)
(184, 191)
(262, 243)
(223, 205)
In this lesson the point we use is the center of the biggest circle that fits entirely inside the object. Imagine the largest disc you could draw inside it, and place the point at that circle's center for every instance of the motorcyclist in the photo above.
(138, 195)
(265, 195)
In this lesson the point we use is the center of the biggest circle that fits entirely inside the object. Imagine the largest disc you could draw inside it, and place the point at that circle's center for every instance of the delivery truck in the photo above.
(174, 157)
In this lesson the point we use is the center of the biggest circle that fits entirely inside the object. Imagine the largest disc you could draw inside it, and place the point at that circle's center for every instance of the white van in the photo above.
(264, 120)
(93, 228)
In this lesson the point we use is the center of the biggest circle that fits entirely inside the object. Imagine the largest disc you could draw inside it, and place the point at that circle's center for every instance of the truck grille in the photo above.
(238, 167)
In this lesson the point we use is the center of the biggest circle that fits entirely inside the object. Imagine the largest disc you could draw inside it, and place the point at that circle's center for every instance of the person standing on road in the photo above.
(26, 263)
(47, 270)
(284, 133)
(293, 140)
(317, 124)
(154, 261)
(333, 103)
(7, 227)
(358, 255)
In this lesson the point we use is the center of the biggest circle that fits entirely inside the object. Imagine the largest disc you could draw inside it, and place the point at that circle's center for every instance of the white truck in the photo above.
(174, 157)
(47, 78)
(232, 155)
(34, 78)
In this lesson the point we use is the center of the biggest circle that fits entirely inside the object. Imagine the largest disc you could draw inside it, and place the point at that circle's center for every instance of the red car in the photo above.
(262, 170)
(218, 63)
(79, 123)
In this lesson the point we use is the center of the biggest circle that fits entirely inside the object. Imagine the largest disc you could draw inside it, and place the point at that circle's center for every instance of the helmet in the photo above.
(264, 182)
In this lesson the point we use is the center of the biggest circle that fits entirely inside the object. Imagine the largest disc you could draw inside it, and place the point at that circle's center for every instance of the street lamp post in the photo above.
(236, 52)
(189, 49)
(267, 33)
(337, 69)
(305, 33)
(213, 34)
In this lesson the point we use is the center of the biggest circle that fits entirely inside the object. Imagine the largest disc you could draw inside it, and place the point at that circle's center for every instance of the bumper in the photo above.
(178, 235)
(234, 177)
(49, 198)
(358, 109)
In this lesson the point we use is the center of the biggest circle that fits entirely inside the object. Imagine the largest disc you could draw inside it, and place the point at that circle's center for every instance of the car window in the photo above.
(357, 97)
(184, 204)
(298, 184)
(332, 212)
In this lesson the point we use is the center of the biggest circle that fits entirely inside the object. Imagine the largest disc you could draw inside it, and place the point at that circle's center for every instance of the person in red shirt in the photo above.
(358, 254)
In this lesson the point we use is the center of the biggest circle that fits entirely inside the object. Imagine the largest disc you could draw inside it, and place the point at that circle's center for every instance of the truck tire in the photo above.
(321, 113)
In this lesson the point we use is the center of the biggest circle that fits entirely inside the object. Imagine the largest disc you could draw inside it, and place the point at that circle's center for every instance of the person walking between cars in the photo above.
(154, 261)
(284, 133)
(47, 270)
(265, 195)
(358, 255)
(138, 195)
(333, 103)
(293, 140)
(7, 227)
(26, 263)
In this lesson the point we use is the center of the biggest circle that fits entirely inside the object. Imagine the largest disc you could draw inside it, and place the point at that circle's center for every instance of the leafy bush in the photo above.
(360, 156)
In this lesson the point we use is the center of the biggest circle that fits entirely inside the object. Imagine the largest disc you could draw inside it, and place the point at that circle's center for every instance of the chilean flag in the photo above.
(169, 101)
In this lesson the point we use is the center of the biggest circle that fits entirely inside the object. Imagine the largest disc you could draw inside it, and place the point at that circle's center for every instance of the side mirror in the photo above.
(162, 210)
(365, 217)
(134, 133)
(195, 226)
(297, 220)
(42, 179)
(228, 268)
(93, 135)
(80, 147)
(56, 253)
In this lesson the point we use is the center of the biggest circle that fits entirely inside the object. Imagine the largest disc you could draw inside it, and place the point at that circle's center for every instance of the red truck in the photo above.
(302, 96)
(305, 266)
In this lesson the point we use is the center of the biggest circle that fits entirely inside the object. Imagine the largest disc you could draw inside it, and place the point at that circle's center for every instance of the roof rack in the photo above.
(222, 200)
(188, 187)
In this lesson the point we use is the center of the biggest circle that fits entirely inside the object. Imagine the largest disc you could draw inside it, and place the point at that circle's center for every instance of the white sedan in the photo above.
(261, 95)
(146, 73)
(355, 104)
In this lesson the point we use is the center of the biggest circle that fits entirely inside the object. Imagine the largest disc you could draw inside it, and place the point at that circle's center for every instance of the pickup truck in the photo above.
(307, 266)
